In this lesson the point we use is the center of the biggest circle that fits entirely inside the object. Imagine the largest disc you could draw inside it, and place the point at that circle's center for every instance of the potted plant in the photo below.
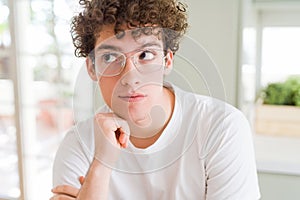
(278, 108)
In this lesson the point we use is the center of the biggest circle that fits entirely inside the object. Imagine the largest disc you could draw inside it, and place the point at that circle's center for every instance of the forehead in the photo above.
(127, 41)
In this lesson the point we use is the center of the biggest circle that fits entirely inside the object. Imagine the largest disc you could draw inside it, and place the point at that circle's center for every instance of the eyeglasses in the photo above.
(112, 63)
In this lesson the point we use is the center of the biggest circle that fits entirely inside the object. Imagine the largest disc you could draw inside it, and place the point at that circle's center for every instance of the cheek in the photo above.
(155, 77)
(107, 87)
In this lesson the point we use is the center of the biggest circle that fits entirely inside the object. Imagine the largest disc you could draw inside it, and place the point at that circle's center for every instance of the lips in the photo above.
(136, 97)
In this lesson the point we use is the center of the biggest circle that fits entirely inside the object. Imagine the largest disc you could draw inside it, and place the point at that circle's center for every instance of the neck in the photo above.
(144, 142)
(142, 137)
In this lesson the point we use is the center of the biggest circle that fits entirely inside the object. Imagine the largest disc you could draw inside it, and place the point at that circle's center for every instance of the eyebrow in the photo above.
(116, 48)
(108, 47)
(151, 44)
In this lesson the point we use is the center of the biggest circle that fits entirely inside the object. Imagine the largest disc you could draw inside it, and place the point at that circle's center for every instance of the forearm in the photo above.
(96, 183)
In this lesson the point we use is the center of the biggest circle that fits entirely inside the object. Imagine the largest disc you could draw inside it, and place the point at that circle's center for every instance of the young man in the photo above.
(151, 140)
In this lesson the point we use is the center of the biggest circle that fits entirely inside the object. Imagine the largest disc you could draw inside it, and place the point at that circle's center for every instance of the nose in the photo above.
(130, 75)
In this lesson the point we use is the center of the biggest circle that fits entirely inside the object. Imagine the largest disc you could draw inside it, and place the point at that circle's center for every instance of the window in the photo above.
(9, 170)
(271, 54)
(280, 53)
(270, 50)
(38, 66)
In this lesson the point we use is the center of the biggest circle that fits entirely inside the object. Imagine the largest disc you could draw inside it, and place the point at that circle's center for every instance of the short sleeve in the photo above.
(73, 158)
(230, 163)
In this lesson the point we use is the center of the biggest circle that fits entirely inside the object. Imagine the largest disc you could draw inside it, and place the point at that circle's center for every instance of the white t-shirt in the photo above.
(205, 152)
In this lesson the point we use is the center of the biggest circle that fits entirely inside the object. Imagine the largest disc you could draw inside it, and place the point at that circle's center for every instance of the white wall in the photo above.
(279, 186)
(215, 25)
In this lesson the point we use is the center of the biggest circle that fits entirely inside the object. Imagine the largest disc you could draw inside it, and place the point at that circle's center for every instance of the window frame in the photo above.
(285, 160)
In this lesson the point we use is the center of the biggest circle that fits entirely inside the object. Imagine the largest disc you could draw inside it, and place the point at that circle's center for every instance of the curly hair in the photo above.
(169, 15)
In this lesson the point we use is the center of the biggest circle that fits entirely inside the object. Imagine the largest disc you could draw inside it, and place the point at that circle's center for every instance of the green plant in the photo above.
(283, 93)
(297, 97)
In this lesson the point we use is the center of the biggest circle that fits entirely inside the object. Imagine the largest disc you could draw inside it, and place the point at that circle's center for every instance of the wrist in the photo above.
(107, 154)
(96, 183)
(97, 167)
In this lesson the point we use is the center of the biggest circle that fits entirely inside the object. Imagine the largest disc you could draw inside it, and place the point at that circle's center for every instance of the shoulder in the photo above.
(74, 154)
(81, 137)
(212, 119)
(204, 106)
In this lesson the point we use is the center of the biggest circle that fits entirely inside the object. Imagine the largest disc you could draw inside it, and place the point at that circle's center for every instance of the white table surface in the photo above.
(275, 154)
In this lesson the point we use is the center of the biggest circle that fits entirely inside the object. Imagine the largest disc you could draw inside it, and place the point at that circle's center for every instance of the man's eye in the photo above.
(146, 55)
(109, 58)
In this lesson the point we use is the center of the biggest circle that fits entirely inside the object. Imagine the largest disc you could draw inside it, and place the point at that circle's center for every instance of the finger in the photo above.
(66, 190)
(118, 134)
(124, 126)
(106, 125)
(104, 130)
(124, 133)
(81, 180)
(123, 139)
(111, 122)
(62, 197)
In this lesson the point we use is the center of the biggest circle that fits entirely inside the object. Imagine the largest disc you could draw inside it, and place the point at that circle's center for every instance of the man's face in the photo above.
(130, 73)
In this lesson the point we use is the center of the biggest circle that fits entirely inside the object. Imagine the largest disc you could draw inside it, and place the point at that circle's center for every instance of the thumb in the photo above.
(81, 179)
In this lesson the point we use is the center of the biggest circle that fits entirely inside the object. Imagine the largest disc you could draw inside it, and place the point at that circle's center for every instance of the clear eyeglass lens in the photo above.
(112, 64)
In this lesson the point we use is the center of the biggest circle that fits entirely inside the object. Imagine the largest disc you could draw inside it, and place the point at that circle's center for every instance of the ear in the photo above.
(168, 63)
(90, 68)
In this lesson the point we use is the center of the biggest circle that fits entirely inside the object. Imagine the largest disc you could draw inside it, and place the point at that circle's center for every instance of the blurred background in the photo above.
(37, 72)
(254, 43)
